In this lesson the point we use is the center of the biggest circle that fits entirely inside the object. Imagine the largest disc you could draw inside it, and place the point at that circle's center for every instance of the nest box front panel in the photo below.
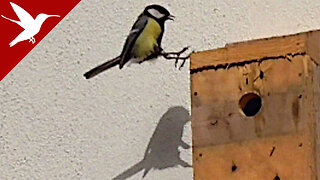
(254, 109)
(246, 102)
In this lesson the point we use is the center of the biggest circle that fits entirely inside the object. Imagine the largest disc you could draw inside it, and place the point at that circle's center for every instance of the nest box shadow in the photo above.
(162, 151)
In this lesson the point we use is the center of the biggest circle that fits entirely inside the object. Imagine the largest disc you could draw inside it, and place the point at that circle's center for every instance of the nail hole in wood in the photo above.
(214, 123)
(234, 168)
(261, 74)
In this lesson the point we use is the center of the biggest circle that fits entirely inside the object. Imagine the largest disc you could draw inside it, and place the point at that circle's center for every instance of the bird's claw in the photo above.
(175, 56)
(178, 57)
(32, 40)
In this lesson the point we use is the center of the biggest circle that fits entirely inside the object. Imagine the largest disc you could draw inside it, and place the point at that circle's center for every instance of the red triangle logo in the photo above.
(24, 24)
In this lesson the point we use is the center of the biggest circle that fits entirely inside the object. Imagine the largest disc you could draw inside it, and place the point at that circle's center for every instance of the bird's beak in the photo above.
(54, 16)
(171, 17)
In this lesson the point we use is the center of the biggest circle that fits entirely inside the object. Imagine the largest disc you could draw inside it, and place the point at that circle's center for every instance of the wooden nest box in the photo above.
(256, 109)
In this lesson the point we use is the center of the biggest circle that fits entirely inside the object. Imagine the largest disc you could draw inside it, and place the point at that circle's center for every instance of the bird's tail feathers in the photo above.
(99, 69)
(5, 17)
(9, 19)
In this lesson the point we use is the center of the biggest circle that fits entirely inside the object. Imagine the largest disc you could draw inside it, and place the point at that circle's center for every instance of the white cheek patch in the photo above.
(156, 13)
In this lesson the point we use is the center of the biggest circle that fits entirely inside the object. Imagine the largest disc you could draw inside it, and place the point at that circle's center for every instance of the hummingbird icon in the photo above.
(31, 26)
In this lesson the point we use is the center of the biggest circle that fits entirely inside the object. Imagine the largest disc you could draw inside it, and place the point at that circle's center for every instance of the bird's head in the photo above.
(45, 16)
(158, 12)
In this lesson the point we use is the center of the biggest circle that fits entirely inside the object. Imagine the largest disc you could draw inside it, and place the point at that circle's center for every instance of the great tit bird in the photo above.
(143, 42)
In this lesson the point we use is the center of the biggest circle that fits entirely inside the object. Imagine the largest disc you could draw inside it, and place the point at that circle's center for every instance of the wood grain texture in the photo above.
(287, 123)
(287, 157)
(219, 92)
(256, 49)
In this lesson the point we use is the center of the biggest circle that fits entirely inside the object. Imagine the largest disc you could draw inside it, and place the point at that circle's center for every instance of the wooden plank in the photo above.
(287, 157)
(316, 92)
(256, 49)
(313, 46)
(216, 115)
(282, 139)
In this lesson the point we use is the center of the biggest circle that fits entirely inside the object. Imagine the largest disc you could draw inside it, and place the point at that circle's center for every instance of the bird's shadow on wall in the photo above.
(162, 151)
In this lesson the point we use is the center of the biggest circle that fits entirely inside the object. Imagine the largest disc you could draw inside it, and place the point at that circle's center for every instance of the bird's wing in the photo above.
(18, 22)
(136, 30)
(25, 18)
(21, 37)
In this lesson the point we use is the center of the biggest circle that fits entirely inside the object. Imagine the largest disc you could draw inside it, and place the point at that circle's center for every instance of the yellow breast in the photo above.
(147, 40)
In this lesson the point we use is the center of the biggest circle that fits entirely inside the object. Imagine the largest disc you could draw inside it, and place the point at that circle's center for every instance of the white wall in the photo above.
(54, 124)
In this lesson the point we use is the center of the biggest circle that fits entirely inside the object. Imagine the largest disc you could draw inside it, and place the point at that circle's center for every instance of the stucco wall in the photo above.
(54, 124)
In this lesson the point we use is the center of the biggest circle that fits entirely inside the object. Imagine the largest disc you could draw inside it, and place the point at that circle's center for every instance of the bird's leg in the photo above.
(33, 40)
(169, 56)
(176, 53)
(176, 56)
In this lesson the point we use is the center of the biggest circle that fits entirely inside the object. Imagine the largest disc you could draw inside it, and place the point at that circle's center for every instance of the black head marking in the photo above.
(157, 12)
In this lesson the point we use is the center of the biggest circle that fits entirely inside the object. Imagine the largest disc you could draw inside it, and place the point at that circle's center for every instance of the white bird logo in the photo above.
(31, 26)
